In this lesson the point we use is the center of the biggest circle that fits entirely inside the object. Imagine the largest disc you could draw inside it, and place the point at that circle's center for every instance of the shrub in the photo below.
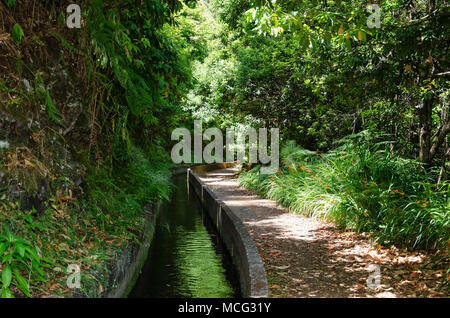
(17, 256)
(362, 187)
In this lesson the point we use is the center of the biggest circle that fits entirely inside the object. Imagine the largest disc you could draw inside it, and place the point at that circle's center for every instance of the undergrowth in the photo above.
(122, 193)
(88, 231)
(361, 186)
(133, 79)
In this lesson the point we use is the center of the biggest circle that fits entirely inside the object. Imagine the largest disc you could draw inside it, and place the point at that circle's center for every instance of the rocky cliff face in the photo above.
(39, 157)
(82, 136)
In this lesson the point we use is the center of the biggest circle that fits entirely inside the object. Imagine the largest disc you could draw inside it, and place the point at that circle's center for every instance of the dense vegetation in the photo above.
(102, 100)
(362, 187)
(362, 111)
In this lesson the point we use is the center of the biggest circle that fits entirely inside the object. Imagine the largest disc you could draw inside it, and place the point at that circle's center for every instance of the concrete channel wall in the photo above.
(124, 269)
(119, 274)
(129, 264)
(252, 275)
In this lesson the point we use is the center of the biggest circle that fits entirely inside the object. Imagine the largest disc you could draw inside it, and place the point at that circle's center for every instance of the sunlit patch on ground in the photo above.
(307, 257)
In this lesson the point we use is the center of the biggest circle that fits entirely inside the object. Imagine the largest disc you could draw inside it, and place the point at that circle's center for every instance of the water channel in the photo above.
(187, 259)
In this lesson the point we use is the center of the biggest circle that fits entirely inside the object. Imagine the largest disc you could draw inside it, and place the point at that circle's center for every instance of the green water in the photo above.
(187, 260)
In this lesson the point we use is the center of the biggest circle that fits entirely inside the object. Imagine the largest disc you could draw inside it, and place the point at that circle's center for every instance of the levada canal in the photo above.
(187, 259)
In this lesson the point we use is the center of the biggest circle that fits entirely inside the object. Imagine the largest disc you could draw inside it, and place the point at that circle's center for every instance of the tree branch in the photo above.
(442, 74)
(440, 139)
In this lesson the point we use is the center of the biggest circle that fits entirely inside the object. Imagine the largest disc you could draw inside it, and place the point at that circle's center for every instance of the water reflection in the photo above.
(186, 258)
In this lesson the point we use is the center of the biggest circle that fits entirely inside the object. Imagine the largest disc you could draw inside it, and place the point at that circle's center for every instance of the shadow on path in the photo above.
(306, 257)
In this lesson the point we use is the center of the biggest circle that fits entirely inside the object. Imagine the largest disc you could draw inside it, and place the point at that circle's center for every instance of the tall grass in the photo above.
(360, 186)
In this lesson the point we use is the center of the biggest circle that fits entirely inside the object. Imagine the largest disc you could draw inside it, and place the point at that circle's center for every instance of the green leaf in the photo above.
(53, 112)
(36, 266)
(34, 255)
(22, 283)
(7, 258)
(6, 276)
(10, 237)
(348, 44)
(3, 247)
(46, 260)
(17, 34)
(6, 293)
(20, 249)
(29, 218)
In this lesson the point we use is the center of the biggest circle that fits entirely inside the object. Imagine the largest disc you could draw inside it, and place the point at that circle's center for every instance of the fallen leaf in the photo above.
(275, 286)
(281, 267)
(415, 274)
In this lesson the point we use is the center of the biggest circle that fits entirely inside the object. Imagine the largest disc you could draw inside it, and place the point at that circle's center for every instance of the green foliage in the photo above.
(10, 3)
(69, 47)
(17, 34)
(212, 68)
(135, 69)
(18, 256)
(53, 112)
(123, 193)
(317, 71)
(44, 95)
(362, 187)
(312, 68)
(141, 68)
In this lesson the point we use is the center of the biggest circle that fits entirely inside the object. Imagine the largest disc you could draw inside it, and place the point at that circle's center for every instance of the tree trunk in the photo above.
(425, 119)
(443, 172)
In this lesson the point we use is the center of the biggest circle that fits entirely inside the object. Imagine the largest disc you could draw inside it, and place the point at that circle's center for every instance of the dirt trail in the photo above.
(305, 257)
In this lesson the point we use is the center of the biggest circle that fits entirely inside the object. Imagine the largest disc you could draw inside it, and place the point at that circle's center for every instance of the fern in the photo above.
(43, 94)
(53, 112)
